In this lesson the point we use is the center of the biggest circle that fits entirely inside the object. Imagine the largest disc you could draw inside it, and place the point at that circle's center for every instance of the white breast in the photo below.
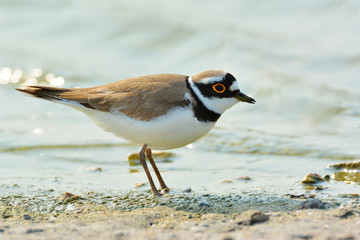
(177, 128)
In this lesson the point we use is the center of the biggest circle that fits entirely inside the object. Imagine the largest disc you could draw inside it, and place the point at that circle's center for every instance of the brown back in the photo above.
(141, 98)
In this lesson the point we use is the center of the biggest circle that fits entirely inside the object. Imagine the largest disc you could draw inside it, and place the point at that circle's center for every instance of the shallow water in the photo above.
(300, 61)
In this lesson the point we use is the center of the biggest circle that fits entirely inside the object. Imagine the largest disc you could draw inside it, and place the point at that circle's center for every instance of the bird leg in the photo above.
(156, 170)
(143, 162)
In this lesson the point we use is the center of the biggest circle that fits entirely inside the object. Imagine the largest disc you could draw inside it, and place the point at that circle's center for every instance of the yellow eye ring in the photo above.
(219, 88)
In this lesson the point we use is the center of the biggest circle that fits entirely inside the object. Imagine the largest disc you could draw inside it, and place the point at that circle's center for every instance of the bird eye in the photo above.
(219, 88)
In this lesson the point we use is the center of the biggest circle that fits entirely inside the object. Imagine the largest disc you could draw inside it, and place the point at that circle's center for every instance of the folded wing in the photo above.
(142, 98)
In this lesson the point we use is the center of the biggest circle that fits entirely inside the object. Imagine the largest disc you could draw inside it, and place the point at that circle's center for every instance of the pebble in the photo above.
(327, 177)
(187, 190)
(252, 217)
(346, 165)
(27, 217)
(203, 205)
(68, 197)
(303, 236)
(312, 204)
(346, 213)
(312, 178)
(226, 181)
(94, 169)
(302, 196)
(28, 231)
(349, 195)
(244, 178)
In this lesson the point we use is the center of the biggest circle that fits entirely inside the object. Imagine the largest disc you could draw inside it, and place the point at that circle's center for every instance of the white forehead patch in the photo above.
(234, 86)
(211, 80)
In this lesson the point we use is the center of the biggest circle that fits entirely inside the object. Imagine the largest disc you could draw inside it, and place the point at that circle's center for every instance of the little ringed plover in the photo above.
(162, 111)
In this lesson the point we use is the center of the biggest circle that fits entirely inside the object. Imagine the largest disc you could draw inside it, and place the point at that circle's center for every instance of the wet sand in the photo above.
(197, 218)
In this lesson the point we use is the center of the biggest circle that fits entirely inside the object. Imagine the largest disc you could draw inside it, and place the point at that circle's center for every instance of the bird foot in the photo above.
(164, 190)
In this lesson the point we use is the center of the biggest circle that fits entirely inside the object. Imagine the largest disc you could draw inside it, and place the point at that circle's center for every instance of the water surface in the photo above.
(300, 61)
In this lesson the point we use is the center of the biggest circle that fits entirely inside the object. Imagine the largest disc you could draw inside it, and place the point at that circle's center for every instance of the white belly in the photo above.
(177, 128)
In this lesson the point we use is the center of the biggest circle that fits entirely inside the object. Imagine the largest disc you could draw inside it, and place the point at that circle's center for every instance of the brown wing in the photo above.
(141, 98)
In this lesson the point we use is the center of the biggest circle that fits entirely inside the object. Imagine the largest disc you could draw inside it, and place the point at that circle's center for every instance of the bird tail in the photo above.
(44, 92)
(69, 96)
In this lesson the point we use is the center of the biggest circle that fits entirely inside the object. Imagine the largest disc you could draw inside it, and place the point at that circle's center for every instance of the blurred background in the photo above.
(299, 60)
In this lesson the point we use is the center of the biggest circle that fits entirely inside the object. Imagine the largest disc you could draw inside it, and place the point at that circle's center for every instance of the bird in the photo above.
(158, 112)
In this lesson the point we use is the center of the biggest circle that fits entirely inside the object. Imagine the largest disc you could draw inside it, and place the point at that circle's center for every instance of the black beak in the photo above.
(244, 98)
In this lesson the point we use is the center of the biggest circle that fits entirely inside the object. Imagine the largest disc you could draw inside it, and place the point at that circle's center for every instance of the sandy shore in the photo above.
(167, 223)
(86, 218)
